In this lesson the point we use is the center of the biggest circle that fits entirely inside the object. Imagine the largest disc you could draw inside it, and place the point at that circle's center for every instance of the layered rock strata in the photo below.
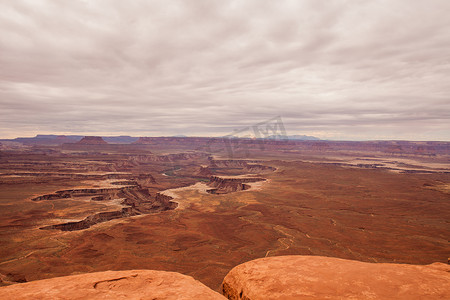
(224, 185)
(135, 199)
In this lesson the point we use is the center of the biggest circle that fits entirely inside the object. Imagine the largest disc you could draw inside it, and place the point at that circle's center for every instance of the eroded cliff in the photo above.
(224, 185)
(135, 199)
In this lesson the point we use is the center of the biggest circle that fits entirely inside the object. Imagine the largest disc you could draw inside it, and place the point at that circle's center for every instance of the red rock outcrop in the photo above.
(226, 185)
(317, 277)
(204, 172)
(135, 284)
(247, 165)
(113, 192)
(94, 219)
(92, 140)
(137, 200)
(219, 180)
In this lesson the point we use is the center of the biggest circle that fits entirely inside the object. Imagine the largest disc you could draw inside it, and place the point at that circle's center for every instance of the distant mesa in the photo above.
(92, 140)
(121, 139)
(144, 141)
(293, 137)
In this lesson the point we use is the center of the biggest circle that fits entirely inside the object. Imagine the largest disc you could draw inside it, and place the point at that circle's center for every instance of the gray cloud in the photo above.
(335, 69)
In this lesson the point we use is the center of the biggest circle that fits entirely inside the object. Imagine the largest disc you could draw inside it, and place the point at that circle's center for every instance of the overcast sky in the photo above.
(346, 70)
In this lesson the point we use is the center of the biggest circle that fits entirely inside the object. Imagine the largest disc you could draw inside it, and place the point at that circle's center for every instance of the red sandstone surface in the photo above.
(316, 277)
(134, 284)
(282, 277)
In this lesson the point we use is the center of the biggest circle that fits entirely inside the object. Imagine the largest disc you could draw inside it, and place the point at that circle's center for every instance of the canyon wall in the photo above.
(135, 199)
(93, 219)
(223, 185)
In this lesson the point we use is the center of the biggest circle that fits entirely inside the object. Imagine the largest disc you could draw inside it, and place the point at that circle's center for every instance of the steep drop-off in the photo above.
(224, 185)
(136, 201)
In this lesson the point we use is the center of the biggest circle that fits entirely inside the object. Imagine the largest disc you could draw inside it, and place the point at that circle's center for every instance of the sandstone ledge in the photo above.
(316, 277)
(282, 277)
(135, 284)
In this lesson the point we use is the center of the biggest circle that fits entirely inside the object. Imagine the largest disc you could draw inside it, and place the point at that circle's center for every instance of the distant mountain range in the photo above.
(53, 139)
(294, 137)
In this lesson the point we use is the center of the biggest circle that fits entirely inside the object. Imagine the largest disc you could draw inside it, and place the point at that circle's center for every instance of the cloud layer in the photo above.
(334, 69)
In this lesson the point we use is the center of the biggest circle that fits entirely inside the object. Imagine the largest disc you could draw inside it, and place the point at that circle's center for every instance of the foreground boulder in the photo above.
(140, 284)
(316, 277)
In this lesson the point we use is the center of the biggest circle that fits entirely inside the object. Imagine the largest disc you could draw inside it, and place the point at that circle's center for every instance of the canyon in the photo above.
(198, 207)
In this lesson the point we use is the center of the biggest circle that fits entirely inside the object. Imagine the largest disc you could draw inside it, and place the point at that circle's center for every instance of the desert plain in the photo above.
(201, 206)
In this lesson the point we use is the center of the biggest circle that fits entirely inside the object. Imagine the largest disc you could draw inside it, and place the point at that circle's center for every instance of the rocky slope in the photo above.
(135, 284)
(316, 277)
